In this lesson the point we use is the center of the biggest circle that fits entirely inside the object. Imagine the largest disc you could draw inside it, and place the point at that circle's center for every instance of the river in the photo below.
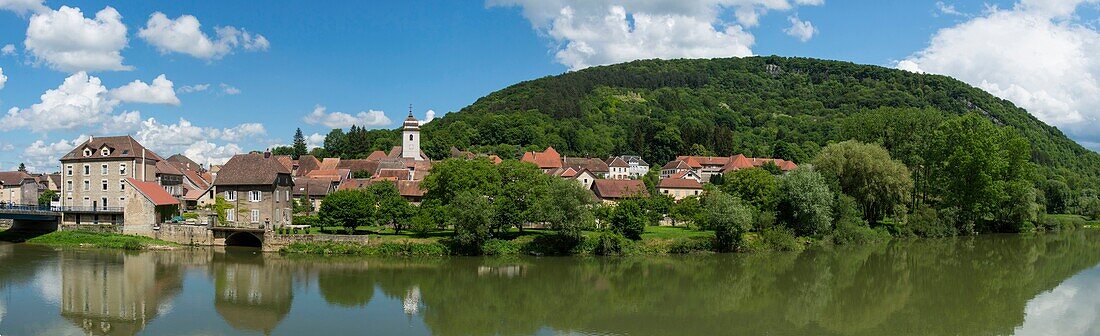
(987, 285)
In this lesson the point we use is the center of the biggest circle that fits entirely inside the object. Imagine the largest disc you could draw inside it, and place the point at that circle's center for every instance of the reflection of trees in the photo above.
(973, 285)
(251, 294)
(115, 293)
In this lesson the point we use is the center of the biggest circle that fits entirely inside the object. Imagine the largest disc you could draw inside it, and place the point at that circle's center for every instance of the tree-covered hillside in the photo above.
(759, 106)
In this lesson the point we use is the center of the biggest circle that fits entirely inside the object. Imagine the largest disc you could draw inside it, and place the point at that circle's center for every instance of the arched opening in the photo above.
(245, 239)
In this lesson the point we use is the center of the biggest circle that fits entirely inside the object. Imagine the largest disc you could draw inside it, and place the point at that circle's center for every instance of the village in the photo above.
(114, 184)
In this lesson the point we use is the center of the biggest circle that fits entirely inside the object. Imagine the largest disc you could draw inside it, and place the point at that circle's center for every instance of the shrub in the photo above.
(692, 245)
(780, 239)
(728, 217)
(1092, 208)
(553, 244)
(190, 215)
(497, 247)
(850, 233)
(927, 222)
(611, 243)
(629, 219)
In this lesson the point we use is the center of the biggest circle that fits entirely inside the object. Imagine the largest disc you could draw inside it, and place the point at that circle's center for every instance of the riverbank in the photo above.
(101, 240)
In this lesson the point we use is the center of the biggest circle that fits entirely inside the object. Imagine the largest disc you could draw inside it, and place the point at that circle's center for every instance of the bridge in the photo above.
(29, 220)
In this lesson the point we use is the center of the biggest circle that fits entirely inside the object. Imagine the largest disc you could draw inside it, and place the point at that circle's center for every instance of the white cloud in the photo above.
(193, 88)
(315, 140)
(205, 145)
(344, 120)
(184, 35)
(948, 9)
(22, 7)
(80, 101)
(65, 40)
(597, 32)
(3, 79)
(122, 123)
(229, 89)
(1036, 55)
(43, 156)
(207, 153)
(161, 92)
(8, 50)
(802, 30)
(428, 117)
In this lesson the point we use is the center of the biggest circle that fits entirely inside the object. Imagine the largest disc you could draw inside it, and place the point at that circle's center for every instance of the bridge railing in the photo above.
(20, 208)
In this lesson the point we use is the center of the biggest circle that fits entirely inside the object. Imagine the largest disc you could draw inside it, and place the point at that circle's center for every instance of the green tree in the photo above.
(629, 219)
(652, 178)
(755, 185)
(471, 216)
(303, 205)
(336, 143)
(772, 168)
(22, 167)
(879, 184)
(390, 208)
(282, 150)
(1017, 210)
(728, 217)
(788, 151)
(687, 210)
(220, 207)
(454, 176)
(1057, 196)
(46, 196)
(658, 207)
(347, 208)
(522, 187)
(1092, 208)
(806, 203)
(299, 144)
(567, 208)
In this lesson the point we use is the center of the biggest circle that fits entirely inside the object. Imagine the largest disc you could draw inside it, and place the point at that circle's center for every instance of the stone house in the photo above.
(94, 178)
(618, 169)
(18, 188)
(258, 189)
(680, 189)
(148, 205)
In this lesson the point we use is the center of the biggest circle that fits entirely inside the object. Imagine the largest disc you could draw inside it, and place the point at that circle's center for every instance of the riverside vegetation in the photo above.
(883, 153)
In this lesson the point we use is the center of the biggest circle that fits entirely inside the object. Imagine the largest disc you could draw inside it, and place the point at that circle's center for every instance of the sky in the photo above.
(214, 78)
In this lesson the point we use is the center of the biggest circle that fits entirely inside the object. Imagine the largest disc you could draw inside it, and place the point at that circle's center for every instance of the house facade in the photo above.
(93, 178)
(680, 189)
(147, 206)
(18, 188)
(258, 189)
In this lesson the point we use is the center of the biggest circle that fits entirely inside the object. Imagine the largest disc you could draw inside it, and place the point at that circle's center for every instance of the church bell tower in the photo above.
(410, 138)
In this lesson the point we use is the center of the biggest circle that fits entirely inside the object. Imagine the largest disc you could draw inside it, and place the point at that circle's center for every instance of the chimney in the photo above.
(267, 154)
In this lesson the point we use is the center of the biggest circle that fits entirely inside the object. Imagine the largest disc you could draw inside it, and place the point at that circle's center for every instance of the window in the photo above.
(87, 152)
(104, 184)
(103, 169)
(231, 215)
(104, 202)
(121, 184)
(87, 170)
(105, 151)
(122, 169)
(410, 137)
(69, 185)
(121, 200)
(87, 185)
(255, 216)
(69, 170)
(254, 196)
(87, 201)
(231, 195)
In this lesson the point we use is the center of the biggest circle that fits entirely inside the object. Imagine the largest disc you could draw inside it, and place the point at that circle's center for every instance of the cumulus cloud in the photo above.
(315, 140)
(598, 32)
(65, 40)
(8, 50)
(44, 156)
(161, 92)
(193, 88)
(79, 101)
(801, 30)
(184, 35)
(948, 9)
(1036, 54)
(3, 79)
(22, 7)
(229, 89)
(207, 153)
(205, 145)
(343, 120)
(428, 117)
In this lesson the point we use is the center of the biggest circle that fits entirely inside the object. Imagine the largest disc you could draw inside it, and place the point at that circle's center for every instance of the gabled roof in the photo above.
(121, 147)
(179, 160)
(686, 174)
(194, 194)
(399, 174)
(617, 162)
(153, 192)
(615, 189)
(330, 163)
(55, 179)
(312, 187)
(634, 159)
(15, 178)
(547, 159)
(306, 164)
(359, 165)
(595, 166)
(677, 164)
(672, 183)
(376, 155)
(330, 174)
(406, 188)
(164, 168)
(739, 161)
(250, 169)
(286, 160)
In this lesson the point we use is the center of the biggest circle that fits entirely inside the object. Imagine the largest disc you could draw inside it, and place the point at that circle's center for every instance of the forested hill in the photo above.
(759, 106)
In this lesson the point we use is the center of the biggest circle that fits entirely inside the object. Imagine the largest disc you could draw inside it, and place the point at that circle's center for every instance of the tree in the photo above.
(347, 208)
(879, 184)
(522, 186)
(336, 143)
(971, 162)
(282, 150)
(299, 144)
(658, 207)
(454, 176)
(1057, 196)
(429, 216)
(22, 167)
(361, 174)
(629, 219)
(471, 215)
(728, 217)
(788, 151)
(303, 205)
(772, 168)
(652, 178)
(567, 209)
(390, 208)
(806, 204)
(46, 197)
(699, 150)
(687, 210)
(755, 186)
(1092, 208)
(1016, 210)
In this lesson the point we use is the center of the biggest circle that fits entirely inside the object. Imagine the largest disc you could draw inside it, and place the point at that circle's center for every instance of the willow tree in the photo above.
(866, 172)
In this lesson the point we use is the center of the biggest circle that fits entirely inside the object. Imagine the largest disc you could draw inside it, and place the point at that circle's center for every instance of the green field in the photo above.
(99, 240)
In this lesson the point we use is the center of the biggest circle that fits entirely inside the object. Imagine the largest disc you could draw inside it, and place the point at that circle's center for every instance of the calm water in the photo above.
(991, 285)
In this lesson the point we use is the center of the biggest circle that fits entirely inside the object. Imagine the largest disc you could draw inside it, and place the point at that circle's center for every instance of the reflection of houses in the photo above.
(114, 293)
(250, 295)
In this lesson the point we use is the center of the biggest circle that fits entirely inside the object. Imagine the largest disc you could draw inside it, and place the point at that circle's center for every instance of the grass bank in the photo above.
(100, 240)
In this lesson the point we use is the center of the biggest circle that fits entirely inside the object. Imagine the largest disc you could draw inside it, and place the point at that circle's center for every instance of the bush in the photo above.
(611, 243)
(310, 220)
(497, 247)
(554, 245)
(780, 239)
(1092, 208)
(692, 245)
(190, 215)
(1061, 222)
(629, 219)
(926, 222)
(851, 233)
(728, 217)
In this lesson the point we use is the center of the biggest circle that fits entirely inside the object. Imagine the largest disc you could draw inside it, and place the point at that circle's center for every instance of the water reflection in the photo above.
(1025, 285)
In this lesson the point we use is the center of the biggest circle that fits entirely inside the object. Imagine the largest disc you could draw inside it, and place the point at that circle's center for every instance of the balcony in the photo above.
(90, 209)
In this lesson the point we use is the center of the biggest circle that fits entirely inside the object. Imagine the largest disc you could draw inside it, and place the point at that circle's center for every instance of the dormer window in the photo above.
(105, 151)
(87, 152)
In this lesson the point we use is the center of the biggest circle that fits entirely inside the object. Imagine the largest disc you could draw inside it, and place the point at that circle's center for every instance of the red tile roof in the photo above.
(306, 164)
(671, 183)
(330, 163)
(376, 155)
(153, 191)
(615, 189)
(164, 168)
(547, 159)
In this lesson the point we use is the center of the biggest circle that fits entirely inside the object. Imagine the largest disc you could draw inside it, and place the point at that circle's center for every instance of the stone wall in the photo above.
(273, 242)
(198, 235)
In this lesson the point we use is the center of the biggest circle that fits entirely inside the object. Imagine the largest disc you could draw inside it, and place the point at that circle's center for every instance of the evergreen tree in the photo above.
(299, 144)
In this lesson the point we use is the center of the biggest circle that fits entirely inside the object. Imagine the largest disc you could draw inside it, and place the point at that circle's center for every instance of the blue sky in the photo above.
(317, 58)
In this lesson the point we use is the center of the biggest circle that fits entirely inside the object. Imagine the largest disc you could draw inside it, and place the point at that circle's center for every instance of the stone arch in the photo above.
(246, 239)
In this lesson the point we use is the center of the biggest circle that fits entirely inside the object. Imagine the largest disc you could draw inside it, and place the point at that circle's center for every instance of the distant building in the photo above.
(19, 188)
(410, 139)
(679, 189)
(94, 178)
(612, 191)
(708, 166)
(546, 160)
